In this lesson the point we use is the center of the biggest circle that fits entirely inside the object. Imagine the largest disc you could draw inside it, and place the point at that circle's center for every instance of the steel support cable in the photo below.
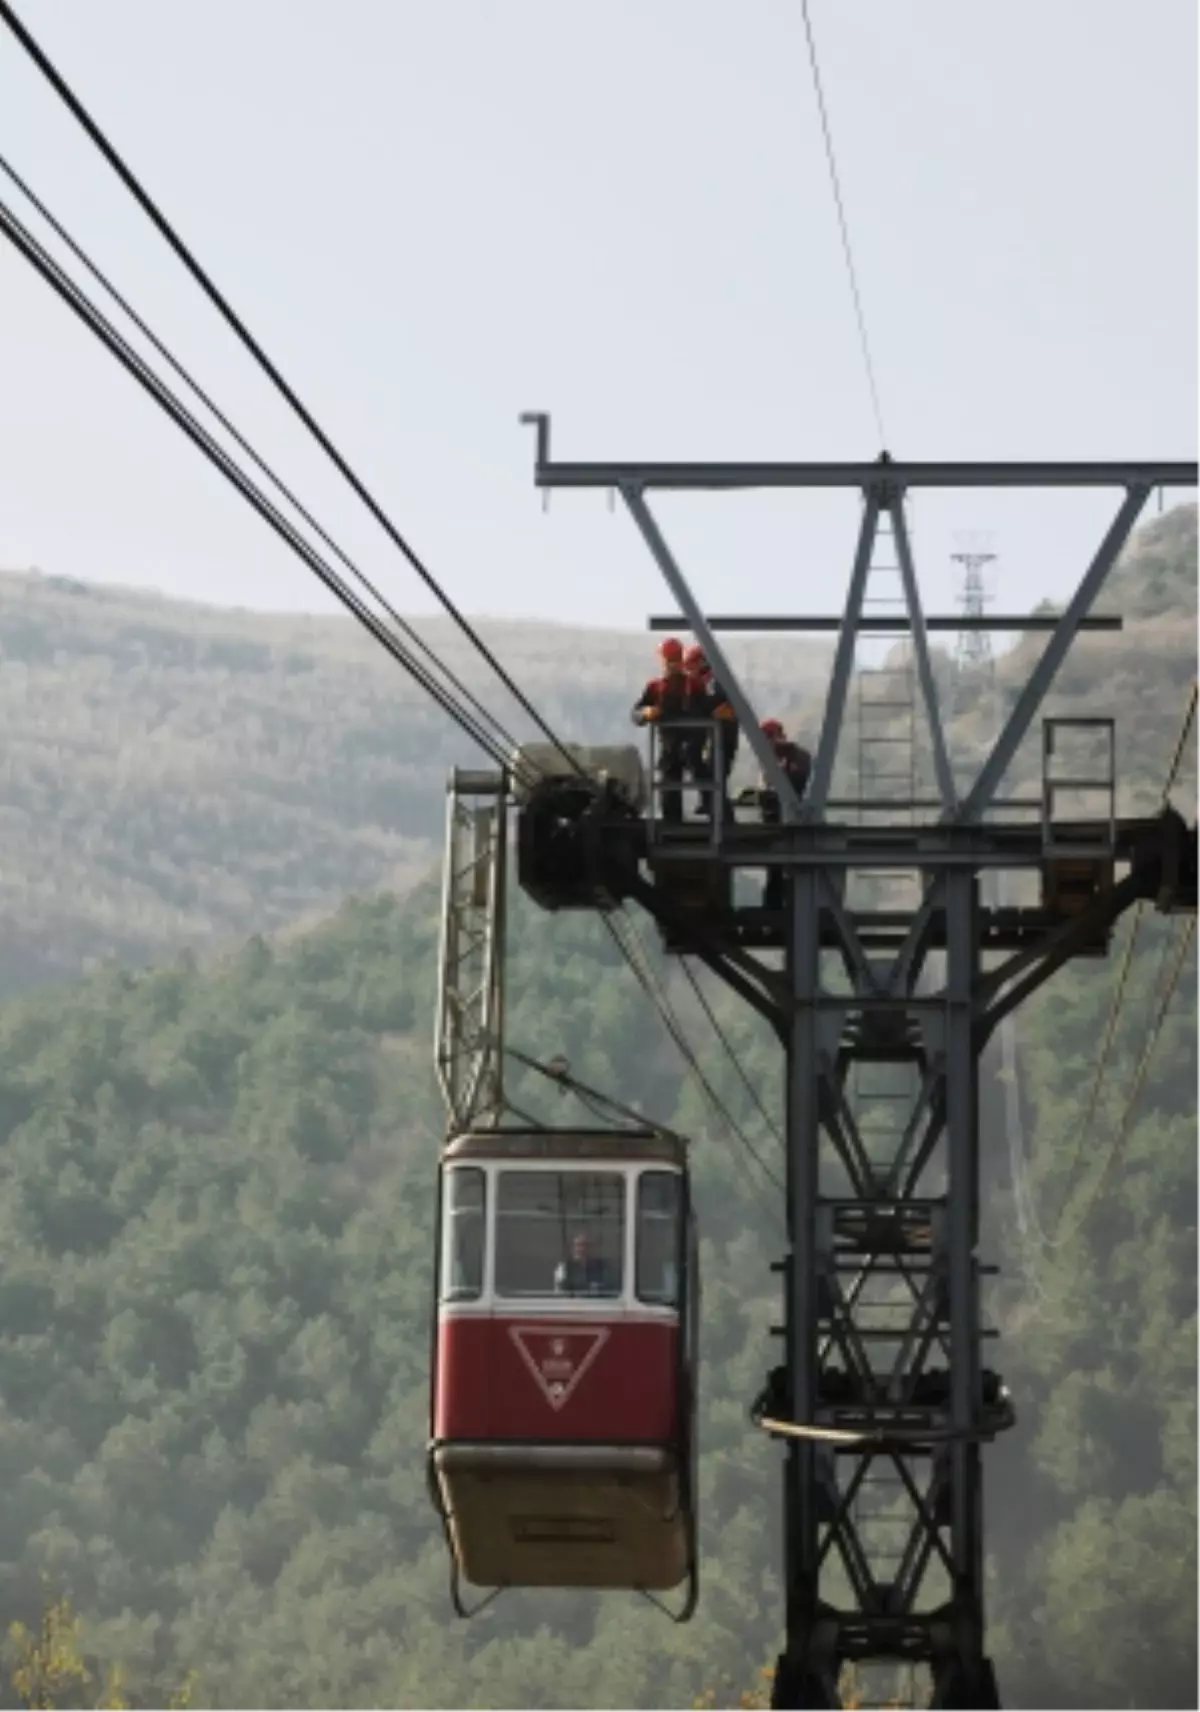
(1027, 1213)
(593, 1098)
(276, 481)
(729, 1051)
(22, 240)
(1180, 747)
(1029, 1226)
(656, 989)
(599, 1107)
(1085, 1131)
(662, 1003)
(167, 231)
(1173, 771)
(842, 221)
(1117, 1146)
(1034, 1241)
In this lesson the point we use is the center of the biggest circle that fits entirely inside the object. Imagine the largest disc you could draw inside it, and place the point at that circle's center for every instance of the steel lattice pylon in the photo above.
(974, 647)
(882, 1400)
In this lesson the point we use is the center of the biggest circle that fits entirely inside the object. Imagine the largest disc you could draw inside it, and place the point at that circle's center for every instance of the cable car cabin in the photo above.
(561, 1446)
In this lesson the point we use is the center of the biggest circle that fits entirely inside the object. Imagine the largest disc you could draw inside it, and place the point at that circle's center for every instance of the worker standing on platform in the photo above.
(797, 765)
(708, 700)
(664, 701)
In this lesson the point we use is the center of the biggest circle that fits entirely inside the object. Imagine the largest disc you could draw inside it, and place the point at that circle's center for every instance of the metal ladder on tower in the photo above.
(887, 772)
(885, 697)
(882, 1095)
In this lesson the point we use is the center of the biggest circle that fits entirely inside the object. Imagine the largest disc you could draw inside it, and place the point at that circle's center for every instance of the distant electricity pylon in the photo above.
(974, 648)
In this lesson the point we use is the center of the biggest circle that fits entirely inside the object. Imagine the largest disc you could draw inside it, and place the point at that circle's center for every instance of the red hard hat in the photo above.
(695, 660)
(670, 649)
(771, 728)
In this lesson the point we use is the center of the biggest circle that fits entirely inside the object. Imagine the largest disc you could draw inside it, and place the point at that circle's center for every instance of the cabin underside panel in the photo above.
(534, 1519)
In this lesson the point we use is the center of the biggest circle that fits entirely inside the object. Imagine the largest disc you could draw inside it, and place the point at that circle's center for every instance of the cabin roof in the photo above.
(571, 1146)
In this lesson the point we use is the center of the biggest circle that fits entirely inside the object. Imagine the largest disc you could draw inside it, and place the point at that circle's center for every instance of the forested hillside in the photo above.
(217, 1199)
(216, 1187)
(175, 775)
(1094, 1543)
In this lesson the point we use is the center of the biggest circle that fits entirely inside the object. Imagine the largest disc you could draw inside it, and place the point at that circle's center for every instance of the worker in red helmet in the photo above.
(709, 700)
(797, 765)
(665, 700)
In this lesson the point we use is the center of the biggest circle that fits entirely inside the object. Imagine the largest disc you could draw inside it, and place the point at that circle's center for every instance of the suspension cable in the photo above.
(198, 391)
(167, 231)
(1029, 1225)
(842, 221)
(661, 1000)
(1177, 758)
(12, 228)
(603, 1105)
(1085, 1131)
(662, 1003)
(732, 1056)
(1064, 1229)
(77, 300)
(1121, 1136)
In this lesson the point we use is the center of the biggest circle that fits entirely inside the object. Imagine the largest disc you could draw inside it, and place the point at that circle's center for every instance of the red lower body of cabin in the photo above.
(558, 1450)
(501, 1377)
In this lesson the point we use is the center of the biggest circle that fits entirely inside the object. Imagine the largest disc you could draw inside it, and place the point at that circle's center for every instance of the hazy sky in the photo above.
(438, 215)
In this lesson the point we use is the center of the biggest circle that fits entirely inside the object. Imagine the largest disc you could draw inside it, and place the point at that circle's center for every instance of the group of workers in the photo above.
(677, 701)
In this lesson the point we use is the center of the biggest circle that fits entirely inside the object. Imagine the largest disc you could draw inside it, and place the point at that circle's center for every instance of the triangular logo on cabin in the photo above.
(558, 1356)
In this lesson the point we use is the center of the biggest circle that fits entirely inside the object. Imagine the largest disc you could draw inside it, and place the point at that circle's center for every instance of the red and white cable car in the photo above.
(562, 1450)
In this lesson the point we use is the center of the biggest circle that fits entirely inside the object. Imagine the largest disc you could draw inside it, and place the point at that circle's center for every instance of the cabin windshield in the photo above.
(463, 1234)
(658, 1233)
(560, 1233)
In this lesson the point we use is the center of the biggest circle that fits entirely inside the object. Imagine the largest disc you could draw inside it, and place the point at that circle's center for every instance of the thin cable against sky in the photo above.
(77, 300)
(159, 220)
(842, 221)
(198, 392)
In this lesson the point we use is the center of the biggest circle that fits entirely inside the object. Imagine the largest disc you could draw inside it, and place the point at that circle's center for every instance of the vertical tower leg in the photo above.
(806, 1673)
(883, 1474)
(962, 1676)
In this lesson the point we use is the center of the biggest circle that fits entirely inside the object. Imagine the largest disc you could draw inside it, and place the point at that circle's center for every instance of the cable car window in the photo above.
(658, 1238)
(560, 1233)
(463, 1235)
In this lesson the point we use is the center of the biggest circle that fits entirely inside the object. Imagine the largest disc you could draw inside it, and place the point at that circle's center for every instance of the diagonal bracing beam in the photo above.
(1031, 697)
(762, 747)
(843, 661)
(933, 714)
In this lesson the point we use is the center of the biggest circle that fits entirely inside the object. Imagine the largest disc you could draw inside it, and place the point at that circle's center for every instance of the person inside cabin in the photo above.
(797, 765)
(708, 699)
(583, 1272)
(664, 701)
